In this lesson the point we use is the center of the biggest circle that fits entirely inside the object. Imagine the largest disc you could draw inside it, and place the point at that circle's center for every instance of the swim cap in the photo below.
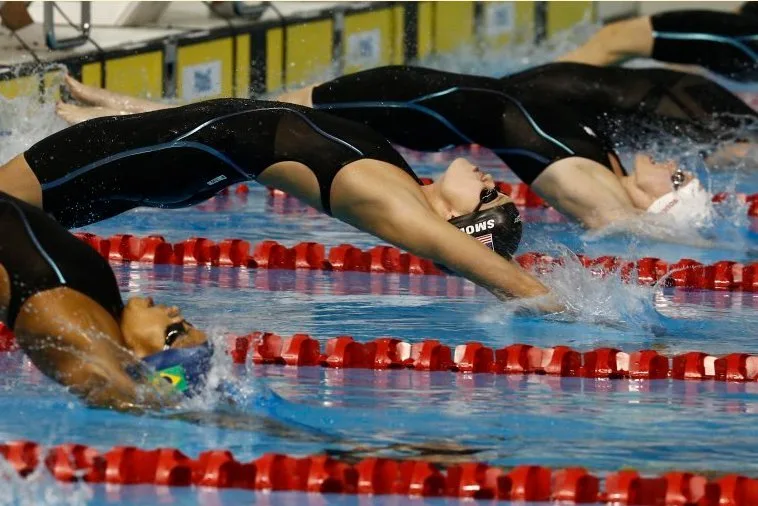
(185, 368)
(690, 204)
(498, 228)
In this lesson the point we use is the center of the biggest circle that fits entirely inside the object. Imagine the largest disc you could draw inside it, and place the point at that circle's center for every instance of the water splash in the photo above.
(39, 488)
(589, 295)
(30, 117)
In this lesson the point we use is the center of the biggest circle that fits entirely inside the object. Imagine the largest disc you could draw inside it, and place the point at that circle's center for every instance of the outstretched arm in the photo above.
(398, 214)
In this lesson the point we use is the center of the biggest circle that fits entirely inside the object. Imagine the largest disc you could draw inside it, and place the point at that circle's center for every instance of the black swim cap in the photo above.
(499, 228)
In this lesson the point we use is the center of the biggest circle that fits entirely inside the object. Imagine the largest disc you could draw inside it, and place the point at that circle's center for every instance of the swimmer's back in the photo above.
(182, 156)
(39, 255)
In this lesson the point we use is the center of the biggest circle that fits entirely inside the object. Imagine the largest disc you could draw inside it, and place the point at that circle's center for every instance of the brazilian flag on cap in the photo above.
(175, 376)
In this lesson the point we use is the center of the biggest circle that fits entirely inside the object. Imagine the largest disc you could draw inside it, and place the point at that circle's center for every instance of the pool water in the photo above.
(603, 425)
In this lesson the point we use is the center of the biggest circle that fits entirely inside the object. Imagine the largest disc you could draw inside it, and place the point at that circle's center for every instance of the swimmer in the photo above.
(60, 298)
(550, 146)
(725, 43)
(181, 156)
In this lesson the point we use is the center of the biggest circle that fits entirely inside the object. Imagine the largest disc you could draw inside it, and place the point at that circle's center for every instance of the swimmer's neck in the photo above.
(639, 198)
(436, 202)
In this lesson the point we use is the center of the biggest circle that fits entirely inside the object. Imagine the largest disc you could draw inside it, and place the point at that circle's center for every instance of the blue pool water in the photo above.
(603, 425)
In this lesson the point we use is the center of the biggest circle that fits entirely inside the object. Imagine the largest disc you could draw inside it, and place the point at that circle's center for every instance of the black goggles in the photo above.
(485, 197)
(174, 332)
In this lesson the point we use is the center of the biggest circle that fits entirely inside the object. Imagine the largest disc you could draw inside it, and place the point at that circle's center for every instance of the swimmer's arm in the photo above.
(410, 225)
(586, 191)
(92, 367)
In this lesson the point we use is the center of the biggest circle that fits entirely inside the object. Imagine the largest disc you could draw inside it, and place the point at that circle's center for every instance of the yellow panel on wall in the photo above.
(309, 51)
(92, 74)
(425, 29)
(454, 25)
(507, 22)
(53, 81)
(20, 86)
(136, 75)
(563, 15)
(242, 66)
(398, 26)
(274, 43)
(204, 70)
(368, 40)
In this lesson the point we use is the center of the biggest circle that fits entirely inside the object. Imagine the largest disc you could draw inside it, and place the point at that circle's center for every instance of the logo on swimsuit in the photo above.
(216, 180)
(478, 227)
(589, 130)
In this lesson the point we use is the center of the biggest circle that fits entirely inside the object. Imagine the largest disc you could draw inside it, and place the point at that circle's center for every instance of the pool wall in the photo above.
(242, 58)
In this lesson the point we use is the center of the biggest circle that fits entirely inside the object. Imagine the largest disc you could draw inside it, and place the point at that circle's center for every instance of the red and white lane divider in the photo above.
(474, 357)
(523, 196)
(686, 273)
(344, 352)
(521, 193)
(321, 474)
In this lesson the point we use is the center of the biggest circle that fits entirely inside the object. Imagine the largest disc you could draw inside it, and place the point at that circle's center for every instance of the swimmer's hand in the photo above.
(543, 305)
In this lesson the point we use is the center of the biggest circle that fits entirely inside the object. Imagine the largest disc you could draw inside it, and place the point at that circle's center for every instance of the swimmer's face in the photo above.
(144, 324)
(461, 187)
(655, 177)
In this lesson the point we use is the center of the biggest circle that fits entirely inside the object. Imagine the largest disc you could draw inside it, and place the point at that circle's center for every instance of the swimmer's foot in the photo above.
(90, 94)
(74, 114)
(124, 104)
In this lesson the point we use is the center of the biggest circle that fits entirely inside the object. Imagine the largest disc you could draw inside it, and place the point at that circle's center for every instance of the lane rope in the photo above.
(322, 474)
(725, 275)
(344, 352)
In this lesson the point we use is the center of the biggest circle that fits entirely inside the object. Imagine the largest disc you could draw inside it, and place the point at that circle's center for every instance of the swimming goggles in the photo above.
(486, 196)
(173, 332)
(677, 178)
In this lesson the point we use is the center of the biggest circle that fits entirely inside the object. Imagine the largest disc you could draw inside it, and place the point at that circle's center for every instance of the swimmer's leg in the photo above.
(302, 96)
(632, 38)
(18, 180)
(110, 100)
(74, 114)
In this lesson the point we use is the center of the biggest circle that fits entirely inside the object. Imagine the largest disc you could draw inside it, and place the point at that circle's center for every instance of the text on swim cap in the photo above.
(478, 227)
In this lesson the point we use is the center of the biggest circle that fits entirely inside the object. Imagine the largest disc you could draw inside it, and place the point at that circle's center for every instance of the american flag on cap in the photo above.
(486, 239)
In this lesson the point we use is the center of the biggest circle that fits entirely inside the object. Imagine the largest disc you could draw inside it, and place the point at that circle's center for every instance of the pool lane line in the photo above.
(321, 474)
(725, 275)
(344, 352)
(523, 196)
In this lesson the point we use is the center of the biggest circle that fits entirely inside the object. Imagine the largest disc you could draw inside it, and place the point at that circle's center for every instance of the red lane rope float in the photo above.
(344, 352)
(474, 357)
(126, 465)
(523, 196)
(685, 273)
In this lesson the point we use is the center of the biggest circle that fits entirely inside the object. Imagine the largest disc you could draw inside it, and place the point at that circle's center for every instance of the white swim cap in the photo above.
(690, 204)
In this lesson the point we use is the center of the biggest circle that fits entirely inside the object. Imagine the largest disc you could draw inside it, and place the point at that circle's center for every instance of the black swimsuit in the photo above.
(723, 42)
(647, 99)
(430, 110)
(178, 157)
(39, 255)
(536, 117)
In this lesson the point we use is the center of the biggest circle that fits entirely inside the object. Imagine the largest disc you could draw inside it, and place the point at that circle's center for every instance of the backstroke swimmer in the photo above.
(61, 299)
(561, 150)
(725, 43)
(181, 156)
